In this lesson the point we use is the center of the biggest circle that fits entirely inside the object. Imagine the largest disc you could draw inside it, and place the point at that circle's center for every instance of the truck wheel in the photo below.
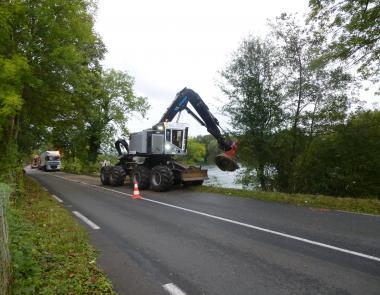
(105, 173)
(161, 178)
(142, 176)
(117, 176)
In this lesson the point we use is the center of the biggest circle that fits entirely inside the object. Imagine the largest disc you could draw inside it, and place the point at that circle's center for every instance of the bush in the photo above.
(346, 162)
(50, 251)
(76, 166)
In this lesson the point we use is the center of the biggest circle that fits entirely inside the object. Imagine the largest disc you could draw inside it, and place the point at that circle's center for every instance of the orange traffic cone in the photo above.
(136, 192)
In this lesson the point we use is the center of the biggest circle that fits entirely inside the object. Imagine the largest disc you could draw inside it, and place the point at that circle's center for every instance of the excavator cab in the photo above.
(175, 138)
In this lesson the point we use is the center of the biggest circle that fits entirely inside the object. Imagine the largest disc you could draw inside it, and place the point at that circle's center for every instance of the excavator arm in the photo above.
(183, 98)
(180, 103)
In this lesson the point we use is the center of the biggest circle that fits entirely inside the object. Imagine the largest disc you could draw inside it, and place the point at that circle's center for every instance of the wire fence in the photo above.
(5, 191)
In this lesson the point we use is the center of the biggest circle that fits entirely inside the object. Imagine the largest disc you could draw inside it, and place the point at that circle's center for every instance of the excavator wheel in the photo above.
(142, 176)
(161, 178)
(105, 173)
(117, 176)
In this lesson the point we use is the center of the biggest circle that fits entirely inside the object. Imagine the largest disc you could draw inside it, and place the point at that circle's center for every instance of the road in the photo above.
(183, 242)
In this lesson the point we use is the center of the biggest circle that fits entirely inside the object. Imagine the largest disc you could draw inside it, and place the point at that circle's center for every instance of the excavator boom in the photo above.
(224, 161)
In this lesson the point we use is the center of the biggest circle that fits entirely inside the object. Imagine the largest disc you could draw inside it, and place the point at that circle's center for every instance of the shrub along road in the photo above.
(201, 243)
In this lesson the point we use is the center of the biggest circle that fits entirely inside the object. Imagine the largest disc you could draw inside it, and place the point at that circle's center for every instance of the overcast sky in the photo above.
(167, 45)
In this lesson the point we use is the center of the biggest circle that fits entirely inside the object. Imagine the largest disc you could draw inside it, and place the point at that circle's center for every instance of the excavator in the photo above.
(150, 154)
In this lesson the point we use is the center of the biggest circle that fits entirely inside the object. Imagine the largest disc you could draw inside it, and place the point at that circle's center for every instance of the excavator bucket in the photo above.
(226, 161)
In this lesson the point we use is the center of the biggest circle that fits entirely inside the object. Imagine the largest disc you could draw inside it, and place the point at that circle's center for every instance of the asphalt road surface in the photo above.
(183, 242)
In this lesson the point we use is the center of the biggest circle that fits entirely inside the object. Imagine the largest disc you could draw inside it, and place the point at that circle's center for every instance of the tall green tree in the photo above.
(251, 83)
(317, 99)
(352, 31)
(48, 51)
(112, 106)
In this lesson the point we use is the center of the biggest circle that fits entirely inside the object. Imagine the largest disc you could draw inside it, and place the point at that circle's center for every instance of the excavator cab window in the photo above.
(177, 137)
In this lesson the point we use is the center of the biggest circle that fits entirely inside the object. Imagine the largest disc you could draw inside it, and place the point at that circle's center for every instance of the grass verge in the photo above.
(358, 205)
(50, 252)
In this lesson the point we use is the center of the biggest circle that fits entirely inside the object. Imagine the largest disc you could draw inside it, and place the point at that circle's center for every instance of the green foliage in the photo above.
(316, 98)
(253, 87)
(72, 165)
(345, 162)
(113, 104)
(278, 103)
(50, 251)
(212, 147)
(26, 272)
(352, 30)
(76, 166)
(53, 89)
(195, 152)
(48, 53)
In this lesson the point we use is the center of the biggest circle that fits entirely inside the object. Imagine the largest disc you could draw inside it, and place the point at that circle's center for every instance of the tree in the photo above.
(278, 103)
(352, 29)
(114, 103)
(345, 162)
(195, 152)
(48, 53)
(212, 147)
(252, 85)
(317, 99)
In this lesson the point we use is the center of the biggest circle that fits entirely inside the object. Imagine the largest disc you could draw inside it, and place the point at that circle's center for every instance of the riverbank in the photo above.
(357, 205)
(50, 251)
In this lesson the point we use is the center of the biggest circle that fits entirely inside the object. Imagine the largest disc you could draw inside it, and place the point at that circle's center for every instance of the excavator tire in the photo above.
(105, 173)
(117, 176)
(142, 176)
(161, 178)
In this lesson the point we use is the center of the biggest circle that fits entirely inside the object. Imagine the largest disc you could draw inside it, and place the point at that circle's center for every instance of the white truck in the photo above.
(50, 161)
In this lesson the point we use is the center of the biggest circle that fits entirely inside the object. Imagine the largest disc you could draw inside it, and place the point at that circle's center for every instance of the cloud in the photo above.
(168, 45)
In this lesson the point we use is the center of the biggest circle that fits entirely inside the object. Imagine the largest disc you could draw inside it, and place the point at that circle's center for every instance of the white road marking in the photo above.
(173, 289)
(111, 190)
(269, 231)
(86, 220)
(58, 199)
(93, 185)
(307, 241)
(358, 213)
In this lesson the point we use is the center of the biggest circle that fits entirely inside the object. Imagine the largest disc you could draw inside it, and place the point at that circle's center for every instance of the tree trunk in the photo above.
(261, 177)
(94, 145)
(298, 110)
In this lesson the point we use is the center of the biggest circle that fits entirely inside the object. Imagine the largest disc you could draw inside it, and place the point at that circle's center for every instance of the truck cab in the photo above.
(50, 161)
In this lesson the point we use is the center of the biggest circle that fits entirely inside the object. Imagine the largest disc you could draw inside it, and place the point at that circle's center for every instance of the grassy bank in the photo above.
(361, 205)
(50, 252)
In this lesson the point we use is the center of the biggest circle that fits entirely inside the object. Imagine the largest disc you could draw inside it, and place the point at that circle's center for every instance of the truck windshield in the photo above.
(52, 158)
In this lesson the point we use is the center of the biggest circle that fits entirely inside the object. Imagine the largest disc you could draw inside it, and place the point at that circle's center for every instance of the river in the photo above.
(221, 178)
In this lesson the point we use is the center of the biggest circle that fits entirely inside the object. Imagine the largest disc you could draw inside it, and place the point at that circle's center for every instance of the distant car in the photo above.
(50, 161)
